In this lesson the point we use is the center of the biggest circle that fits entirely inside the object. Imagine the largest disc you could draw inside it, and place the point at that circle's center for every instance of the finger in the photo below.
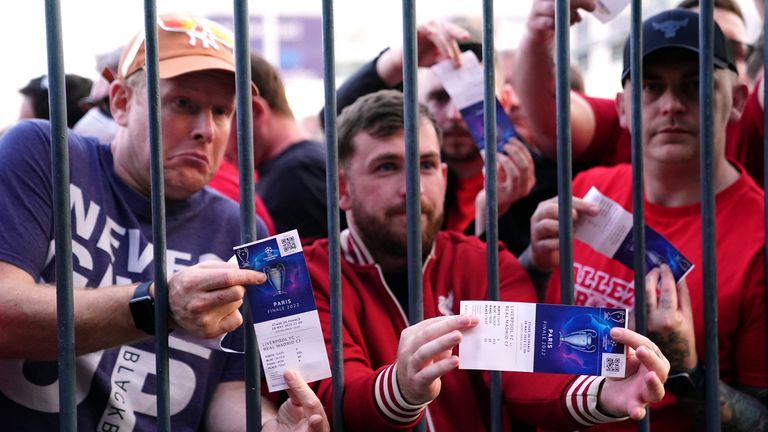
(654, 388)
(430, 373)
(217, 278)
(300, 393)
(231, 321)
(545, 229)
(667, 290)
(587, 207)
(408, 335)
(684, 298)
(436, 348)
(443, 327)
(651, 285)
(548, 246)
(651, 357)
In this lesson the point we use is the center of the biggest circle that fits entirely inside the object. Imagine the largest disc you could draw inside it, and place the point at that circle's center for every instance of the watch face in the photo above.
(680, 384)
(143, 313)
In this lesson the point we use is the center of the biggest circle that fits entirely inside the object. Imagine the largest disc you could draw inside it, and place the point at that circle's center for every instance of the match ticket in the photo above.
(283, 308)
(465, 87)
(530, 337)
(606, 10)
(610, 233)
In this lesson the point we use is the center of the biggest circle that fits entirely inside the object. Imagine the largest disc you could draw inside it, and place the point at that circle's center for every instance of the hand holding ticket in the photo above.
(530, 337)
(283, 309)
(610, 233)
(465, 86)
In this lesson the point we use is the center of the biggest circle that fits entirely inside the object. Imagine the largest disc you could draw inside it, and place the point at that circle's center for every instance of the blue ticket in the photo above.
(610, 232)
(283, 309)
(474, 118)
(530, 337)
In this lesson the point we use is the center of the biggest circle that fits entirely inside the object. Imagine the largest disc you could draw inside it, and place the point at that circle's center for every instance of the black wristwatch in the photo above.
(143, 309)
(684, 383)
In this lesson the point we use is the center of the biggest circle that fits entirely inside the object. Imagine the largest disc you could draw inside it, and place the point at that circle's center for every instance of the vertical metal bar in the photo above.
(562, 27)
(638, 196)
(158, 217)
(491, 223)
(332, 195)
(413, 201)
(412, 179)
(706, 32)
(247, 206)
(62, 218)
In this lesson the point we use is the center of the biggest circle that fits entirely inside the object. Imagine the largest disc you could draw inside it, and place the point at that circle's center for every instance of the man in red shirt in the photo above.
(396, 372)
(670, 108)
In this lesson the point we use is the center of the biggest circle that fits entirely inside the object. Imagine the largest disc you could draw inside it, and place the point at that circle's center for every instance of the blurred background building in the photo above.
(289, 34)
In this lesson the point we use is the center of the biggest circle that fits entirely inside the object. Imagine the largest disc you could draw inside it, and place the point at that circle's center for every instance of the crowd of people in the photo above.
(397, 373)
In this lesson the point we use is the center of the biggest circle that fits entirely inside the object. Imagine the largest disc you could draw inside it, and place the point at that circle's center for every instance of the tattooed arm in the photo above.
(670, 326)
(742, 409)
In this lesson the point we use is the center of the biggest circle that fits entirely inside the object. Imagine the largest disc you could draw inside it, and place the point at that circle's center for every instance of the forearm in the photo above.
(364, 81)
(28, 317)
(534, 83)
(739, 411)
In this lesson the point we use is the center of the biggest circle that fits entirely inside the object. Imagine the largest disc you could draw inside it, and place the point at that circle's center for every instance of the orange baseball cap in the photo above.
(186, 44)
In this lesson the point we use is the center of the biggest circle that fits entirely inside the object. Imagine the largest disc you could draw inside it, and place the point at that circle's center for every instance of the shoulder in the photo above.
(317, 251)
(305, 153)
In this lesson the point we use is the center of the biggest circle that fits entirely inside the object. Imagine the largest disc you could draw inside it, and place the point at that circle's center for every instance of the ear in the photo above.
(739, 97)
(119, 101)
(621, 110)
(505, 97)
(345, 201)
(261, 111)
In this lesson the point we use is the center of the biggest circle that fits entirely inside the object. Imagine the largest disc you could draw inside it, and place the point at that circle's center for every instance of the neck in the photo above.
(282, 133)
(469, 167)
(673, 185)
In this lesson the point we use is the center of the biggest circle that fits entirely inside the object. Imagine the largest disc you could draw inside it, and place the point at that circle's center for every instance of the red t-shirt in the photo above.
(744, 140)
(227, 182)
(740, 277)
(462, 212)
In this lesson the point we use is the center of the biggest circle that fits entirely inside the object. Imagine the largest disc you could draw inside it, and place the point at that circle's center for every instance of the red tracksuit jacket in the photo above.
(373, 319)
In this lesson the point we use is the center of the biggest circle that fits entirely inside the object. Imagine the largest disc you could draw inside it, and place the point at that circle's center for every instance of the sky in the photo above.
(91, 27)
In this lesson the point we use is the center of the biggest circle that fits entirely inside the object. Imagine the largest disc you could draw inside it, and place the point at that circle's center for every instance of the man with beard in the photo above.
(519, 169)
(671, 163)
(395, 373)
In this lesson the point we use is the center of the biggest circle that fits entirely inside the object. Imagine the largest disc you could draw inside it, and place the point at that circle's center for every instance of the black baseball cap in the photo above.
(679, 28)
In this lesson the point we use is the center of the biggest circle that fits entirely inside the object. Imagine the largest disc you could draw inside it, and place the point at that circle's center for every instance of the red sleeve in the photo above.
(611, 143)
(227, 182)
(751, 361)
(372, 400)
(744, 138)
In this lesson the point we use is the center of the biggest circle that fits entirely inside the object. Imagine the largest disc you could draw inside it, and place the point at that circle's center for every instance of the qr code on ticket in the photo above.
(613, 365)
(289, 244)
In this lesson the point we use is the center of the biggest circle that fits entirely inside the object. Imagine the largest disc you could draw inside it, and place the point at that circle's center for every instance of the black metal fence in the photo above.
(248, 231)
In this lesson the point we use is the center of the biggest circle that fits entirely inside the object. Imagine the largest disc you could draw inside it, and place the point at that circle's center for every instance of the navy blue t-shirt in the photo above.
(111, 232)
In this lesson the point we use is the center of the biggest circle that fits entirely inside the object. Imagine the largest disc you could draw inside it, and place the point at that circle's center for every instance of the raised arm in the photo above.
(534, 81)
(437, 40)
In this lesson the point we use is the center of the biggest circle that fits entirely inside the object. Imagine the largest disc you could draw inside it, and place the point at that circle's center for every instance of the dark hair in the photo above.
(729, 5)
(270, 85)
(378, 114)
(77, 87)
